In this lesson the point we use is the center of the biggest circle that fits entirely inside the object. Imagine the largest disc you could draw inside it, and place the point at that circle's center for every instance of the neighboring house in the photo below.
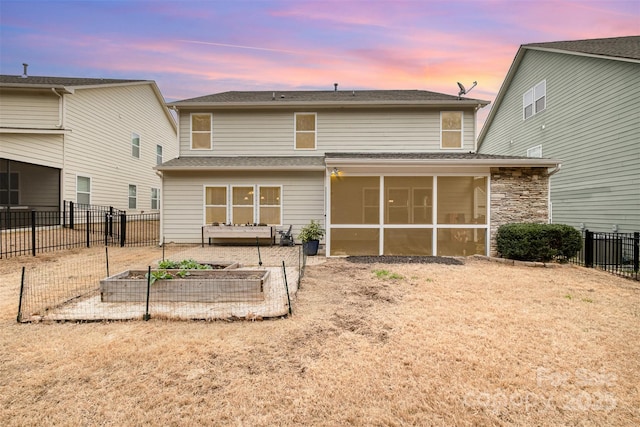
(385, 172)
(578, 101)
(89, 141)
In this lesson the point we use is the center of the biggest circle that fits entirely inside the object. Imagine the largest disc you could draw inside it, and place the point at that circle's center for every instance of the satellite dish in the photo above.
(464, 91)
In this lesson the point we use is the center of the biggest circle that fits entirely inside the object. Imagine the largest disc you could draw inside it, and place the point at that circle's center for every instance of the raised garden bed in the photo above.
(229, 285)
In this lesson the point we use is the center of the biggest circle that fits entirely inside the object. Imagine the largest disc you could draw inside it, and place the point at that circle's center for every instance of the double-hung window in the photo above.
(158, 154)
(238, 205)
(534, 100)
(133, 196)
(201, 131)
(305, 133)
(135, 145)
(83, 190)
(215, 205)
(270, 205)
(155, 198)
(451, 129)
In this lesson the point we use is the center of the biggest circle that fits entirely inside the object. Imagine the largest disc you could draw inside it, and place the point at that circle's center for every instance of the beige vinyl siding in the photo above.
(183, 204)
(591, 123)
(45, 150)
(272, 132)
(101, 121)
(29, 109)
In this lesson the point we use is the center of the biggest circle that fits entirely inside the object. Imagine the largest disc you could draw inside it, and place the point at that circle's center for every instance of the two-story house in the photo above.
(578, 101)
(390, 172)
(86, 140)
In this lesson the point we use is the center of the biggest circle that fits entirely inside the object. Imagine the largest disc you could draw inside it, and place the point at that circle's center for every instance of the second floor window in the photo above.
(158, 154)
(451, 129)
(135, 145)
(305, 134)
(201, 125)
(534, 100)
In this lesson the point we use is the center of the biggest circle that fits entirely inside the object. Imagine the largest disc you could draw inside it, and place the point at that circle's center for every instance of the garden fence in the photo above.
(617, 253)
(32, 232)
(113, 283)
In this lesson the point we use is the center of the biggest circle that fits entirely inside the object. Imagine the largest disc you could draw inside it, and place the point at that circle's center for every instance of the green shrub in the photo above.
(538, 242)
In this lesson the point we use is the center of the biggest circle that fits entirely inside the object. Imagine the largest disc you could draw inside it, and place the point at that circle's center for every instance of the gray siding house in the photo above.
(90, 141)
(389, 172)
(578, 101)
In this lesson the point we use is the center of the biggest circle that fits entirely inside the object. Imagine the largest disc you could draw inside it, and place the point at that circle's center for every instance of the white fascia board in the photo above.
(237, 168)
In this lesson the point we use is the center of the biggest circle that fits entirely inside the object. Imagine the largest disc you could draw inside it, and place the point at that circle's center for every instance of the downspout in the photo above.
(549, 205)
(161, 236)
(60, 125)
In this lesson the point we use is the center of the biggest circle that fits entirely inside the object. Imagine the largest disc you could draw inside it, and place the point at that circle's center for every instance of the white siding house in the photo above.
(577, 101)
(89, 141)
(385, 172)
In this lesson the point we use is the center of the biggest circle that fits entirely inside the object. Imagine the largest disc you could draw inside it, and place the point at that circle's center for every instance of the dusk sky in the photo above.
(194, 48)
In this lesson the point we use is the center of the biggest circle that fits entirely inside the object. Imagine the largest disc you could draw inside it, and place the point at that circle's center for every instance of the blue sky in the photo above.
(194, 48)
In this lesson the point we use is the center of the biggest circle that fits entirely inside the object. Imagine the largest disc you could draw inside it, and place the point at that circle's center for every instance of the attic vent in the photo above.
(535, 151)
(24, 72)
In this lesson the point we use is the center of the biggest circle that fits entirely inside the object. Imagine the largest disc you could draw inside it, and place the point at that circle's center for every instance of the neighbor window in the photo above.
(451, 129)
(535, 151)
(201, 131)
(133, 196)
(215, 205)
(83, 190)
(534, 100)
(270, 205)
(305, 131)
(158, 154)
(9, 188)
(155, 198)
(135, 145)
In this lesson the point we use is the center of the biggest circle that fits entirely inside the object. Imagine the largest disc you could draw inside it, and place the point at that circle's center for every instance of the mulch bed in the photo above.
(388, 259)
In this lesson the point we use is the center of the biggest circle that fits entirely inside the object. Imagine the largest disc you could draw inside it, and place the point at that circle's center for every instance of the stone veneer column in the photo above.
(518, 195)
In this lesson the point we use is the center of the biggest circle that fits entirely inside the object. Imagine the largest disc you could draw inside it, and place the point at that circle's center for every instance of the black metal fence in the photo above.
(31, 232)
(618, 253)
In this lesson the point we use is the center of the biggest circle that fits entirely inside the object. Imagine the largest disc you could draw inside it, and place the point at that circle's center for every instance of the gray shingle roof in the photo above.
(6, 80)
(617, 47)
(245, 163)
(329, 96)
(320, 162)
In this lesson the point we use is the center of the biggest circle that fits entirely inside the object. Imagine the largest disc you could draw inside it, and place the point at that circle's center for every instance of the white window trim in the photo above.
(258, 203)
(231, 205)
(134, 136)
(157, 199)
(295, 131)
(129, 196)
(205, 205)
(81, 175)
(191, 131)
(461, 131)
(159, 156)
(534, 99)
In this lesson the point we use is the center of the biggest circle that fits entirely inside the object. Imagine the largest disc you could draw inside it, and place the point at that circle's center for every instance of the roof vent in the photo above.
(273, 97)
(24, 72)
(335, 87)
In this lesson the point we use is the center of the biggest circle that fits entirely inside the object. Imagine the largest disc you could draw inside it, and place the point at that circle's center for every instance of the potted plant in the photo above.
(310, 235)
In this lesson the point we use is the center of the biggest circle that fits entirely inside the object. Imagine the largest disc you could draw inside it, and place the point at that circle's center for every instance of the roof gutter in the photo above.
(548, 163)
(328, 104)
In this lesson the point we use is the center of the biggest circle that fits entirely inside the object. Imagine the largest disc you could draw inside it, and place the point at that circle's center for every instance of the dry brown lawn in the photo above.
(368, 344)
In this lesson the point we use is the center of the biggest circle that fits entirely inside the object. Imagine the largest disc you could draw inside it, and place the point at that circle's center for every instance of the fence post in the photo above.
(19, 318)
(64, 214)
(147, 316)
(588, 248)
(110, 221)
(87, 227)
(636, 251)
(33, 232)
(286, 285)
(106, 228)
(123, 229)
(71, 214)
